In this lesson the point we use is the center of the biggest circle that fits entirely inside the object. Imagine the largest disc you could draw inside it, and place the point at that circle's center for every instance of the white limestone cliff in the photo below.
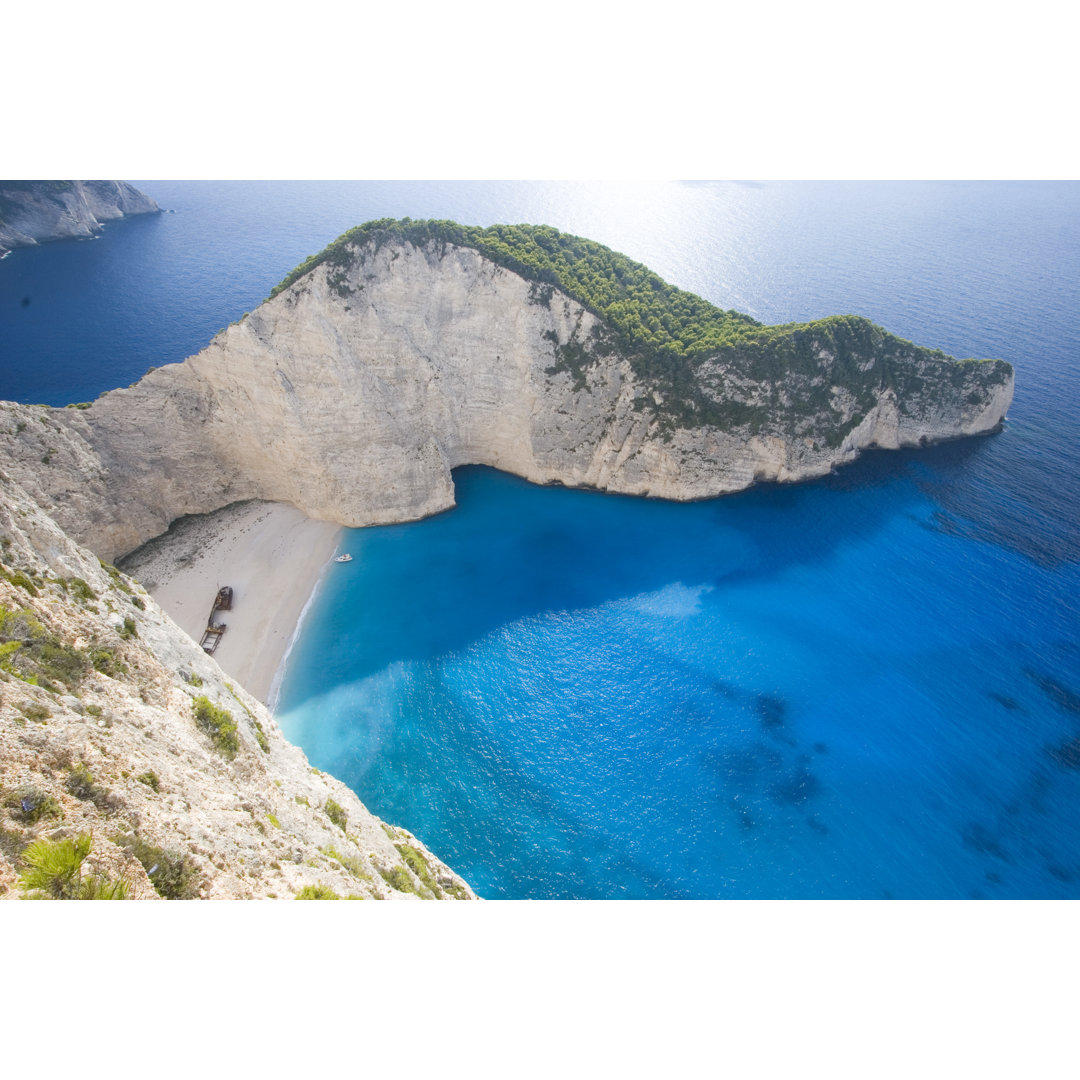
(353, 398)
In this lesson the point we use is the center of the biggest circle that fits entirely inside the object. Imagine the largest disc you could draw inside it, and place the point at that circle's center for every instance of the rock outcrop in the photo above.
(356, 389)
(35, 211)
(100, 694)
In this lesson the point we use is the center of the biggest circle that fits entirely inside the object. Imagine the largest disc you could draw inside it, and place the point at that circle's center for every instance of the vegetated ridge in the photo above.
(36, 211)
(673, 339)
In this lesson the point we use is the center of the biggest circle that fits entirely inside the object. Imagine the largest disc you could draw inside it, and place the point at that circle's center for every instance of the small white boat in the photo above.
(343, 558)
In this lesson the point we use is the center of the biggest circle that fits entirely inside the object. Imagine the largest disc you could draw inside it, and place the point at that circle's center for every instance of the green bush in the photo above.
(353, 865)
(54, 866)
(30, 805)
(31, 652)
(336, 814)
(17, 577)
(103, 888)
(104, 660)
(397, 877)
(317, 892)
(419, 866)
(172, 873)
(81, 784)
(150, 780)
(129, 629)
(260, 736)
(219, 725)
(80, 589)
(117, 578)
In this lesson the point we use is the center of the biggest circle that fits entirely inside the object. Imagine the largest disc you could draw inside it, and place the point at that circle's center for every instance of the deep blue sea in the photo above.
(866, 686)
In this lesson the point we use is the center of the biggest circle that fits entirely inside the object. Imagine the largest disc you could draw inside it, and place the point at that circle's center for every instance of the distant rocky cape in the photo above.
(366, 379)
(34, 211)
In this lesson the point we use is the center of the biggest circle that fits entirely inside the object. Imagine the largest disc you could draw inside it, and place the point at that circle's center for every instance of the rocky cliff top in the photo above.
(35, 211)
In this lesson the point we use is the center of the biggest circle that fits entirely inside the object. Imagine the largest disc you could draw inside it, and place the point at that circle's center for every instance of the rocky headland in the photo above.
(398, 355)
(36, 211)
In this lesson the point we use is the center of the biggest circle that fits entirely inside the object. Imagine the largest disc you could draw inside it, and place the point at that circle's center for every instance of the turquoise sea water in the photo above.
(865, 686)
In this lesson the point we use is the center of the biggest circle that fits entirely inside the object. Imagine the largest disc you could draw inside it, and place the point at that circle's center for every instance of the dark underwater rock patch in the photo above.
(771, 710)
(746, 818)
(1067, 753)
(978, 838)
(797, 788)
(1058, 693)
(1060, 872)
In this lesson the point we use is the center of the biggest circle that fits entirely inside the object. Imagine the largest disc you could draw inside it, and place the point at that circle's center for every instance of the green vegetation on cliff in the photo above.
(643, 309)
(708, 366)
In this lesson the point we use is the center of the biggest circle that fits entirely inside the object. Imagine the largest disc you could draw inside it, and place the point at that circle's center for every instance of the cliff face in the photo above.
(34, 211)
(99, 737)
(354, 392)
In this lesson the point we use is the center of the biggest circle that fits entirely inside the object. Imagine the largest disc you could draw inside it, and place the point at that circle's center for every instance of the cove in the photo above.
(782, 693)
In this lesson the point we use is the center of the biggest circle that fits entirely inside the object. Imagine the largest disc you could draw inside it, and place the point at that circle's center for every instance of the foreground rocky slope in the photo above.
(116, 728)
(35, 211)
(374, 371)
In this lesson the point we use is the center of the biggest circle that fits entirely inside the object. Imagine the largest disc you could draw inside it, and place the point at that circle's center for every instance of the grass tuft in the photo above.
(219, 725)
(397, 877)
(419, 866)
(172, 873)
(336, 814)
(317, 892)
(30, 805)
(150, 779)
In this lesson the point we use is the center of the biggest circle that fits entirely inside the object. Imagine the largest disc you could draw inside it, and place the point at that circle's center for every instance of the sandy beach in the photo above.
(270, 553)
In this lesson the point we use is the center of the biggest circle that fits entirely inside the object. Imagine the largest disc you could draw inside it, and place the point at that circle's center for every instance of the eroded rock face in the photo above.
(353, 396)
(98, 737)
(32, 212)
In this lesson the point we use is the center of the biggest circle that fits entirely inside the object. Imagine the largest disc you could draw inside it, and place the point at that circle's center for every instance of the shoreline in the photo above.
(274, 558)
(279, 674)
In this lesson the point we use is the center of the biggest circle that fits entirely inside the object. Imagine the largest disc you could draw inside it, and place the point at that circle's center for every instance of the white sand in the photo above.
(270, 553)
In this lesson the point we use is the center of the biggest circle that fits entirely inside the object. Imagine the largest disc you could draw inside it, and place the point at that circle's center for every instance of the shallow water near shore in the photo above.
(865, 686)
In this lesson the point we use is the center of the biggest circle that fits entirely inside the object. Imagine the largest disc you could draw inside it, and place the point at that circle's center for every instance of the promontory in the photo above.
(408, 348)
(35, 211)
